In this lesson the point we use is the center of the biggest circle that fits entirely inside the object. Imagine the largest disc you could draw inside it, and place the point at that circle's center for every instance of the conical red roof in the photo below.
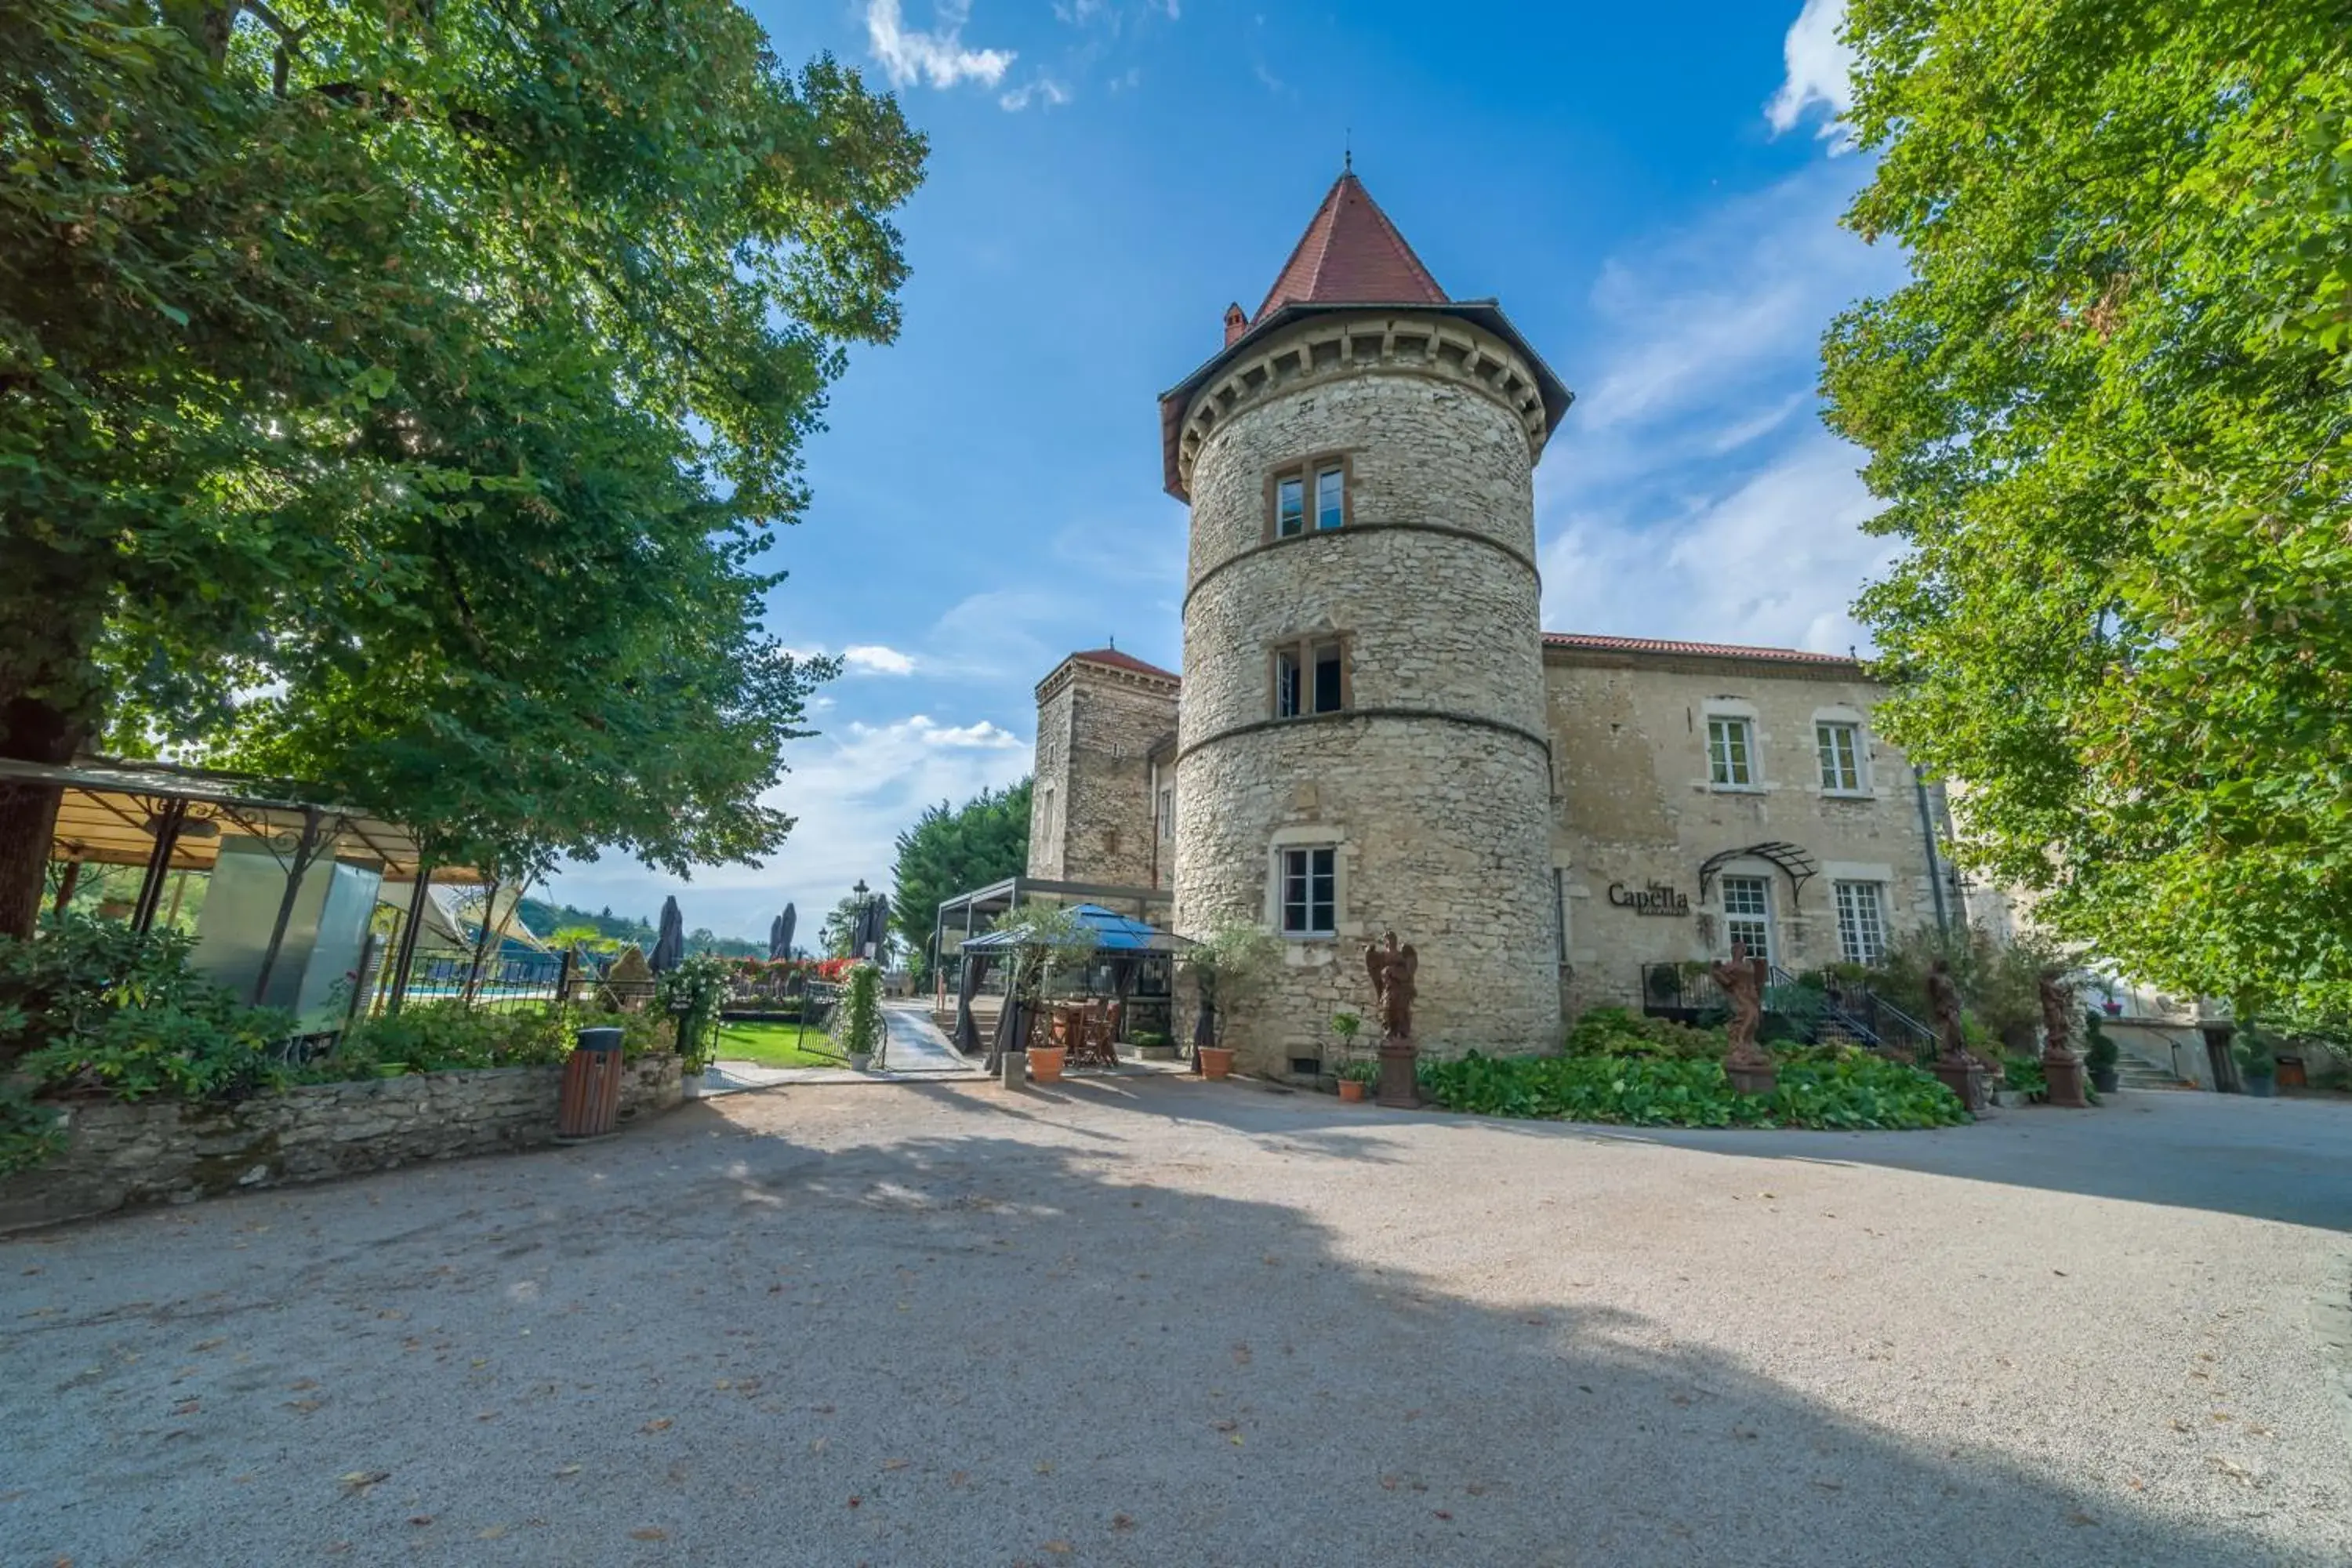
(1351, 255)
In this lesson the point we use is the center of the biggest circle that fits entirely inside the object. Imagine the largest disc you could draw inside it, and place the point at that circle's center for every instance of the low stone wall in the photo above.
(119, 1155)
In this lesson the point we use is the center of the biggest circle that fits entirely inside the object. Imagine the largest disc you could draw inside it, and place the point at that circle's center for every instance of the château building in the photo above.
(1372, 732)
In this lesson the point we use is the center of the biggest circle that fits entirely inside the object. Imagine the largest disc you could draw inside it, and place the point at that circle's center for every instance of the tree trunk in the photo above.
(33, 732)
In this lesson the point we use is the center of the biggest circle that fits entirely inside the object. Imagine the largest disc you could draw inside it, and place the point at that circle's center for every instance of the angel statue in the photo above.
(1392, 969)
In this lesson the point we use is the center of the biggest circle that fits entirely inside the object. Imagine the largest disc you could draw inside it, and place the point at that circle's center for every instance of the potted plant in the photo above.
(1047, 938)
(1356, 1080)
(1347, 1024)
(1225, 966)
(2100, 1054)
(861, 1028)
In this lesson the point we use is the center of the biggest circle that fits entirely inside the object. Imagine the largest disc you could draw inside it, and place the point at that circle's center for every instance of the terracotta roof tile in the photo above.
(1351, 255)
(1595, 643)
(1127, 662)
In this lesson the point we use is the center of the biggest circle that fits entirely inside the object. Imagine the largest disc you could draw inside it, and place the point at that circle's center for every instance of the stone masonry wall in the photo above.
(119, 1154)
(1637, 807)
(1049, 792)
(1434, 783)
(1106, 723)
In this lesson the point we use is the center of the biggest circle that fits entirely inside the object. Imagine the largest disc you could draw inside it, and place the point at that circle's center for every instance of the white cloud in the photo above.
(1775, 560)
(937, 57)
(853, 792)
(1045, 89)
(1819, 66)
(873, 658)
(1691, 492)
(982, 736)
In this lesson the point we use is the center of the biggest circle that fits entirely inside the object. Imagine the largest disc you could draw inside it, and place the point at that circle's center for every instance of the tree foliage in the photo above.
(394, 396)
(952, 850)
(2109, 414)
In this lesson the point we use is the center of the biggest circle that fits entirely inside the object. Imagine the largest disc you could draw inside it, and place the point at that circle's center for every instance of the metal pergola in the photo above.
(981, 905)
(168, 817)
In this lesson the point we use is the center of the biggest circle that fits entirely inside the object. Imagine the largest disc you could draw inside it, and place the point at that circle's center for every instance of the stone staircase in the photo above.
(2132, 1073)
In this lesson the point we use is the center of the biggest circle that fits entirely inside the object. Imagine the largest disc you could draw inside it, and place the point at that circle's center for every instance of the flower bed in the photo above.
(1645, 1072)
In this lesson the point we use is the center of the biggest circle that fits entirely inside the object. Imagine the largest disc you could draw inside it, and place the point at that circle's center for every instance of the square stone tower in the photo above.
(1363, 743)
(1106, 721)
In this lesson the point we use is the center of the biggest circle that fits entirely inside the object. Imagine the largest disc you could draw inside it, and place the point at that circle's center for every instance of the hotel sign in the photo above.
(1657, 899)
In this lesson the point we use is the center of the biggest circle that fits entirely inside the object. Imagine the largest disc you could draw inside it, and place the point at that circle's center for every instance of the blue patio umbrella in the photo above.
(1116, 935)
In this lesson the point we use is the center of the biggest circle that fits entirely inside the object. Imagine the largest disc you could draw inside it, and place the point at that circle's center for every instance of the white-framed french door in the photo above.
(1747, 917)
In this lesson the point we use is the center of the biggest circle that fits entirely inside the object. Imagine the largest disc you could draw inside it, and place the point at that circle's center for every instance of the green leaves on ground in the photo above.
(2111, 415)
(1853, 1092)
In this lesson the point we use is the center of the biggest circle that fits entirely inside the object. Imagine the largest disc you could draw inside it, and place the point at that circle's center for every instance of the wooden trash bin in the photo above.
(591, 1100)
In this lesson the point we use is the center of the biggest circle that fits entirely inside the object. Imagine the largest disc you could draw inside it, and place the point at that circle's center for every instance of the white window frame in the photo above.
(1826, 734)
(1860, 921)
(1725, 728)
(1289, 524)
(1306, 855)
(1744, 917)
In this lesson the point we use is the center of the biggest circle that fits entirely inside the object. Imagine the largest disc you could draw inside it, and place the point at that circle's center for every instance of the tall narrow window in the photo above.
(1747, 915)
(1311, 677)
(1287, 695)
(1328, 684)
(1730, 753)
(1289, 506)
(1330, 497)
(1167, 813)
(1840, 746)
(1862, 922)
(1310, 893)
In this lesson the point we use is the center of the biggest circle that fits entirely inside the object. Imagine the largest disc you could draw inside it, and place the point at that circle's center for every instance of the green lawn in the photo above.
(777, 1045)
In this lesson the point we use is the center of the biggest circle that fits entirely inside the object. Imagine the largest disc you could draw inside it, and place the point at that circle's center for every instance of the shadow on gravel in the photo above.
(2283, 1160)
(708, 1345)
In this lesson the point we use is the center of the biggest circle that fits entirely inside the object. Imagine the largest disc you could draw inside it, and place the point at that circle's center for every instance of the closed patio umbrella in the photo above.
(669, 946)
(779, 934)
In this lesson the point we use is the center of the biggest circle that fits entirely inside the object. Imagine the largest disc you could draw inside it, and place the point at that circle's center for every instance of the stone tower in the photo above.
(1105, 720)
(1362, 743)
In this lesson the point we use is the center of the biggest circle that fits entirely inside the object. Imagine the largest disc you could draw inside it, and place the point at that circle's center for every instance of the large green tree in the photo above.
(952, 850)
(2111, 415)
(393, 395)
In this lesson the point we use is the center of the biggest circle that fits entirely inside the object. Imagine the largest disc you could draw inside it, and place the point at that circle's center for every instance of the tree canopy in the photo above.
(2111, 415)
(952, 850)
(394, 396)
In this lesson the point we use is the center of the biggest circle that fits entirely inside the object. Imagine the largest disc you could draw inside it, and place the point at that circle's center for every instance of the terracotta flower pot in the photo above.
(1217, 1061)
(1045, 1063)
(1351, 1090)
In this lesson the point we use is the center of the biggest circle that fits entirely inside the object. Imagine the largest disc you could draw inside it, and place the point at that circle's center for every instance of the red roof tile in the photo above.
(1127, 662)
(1351, 255)
(1592, 642)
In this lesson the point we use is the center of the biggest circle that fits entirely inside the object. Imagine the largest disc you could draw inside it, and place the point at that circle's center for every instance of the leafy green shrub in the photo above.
(2100, 1052)
(200, 1048)
(2025, 1075)
(860, 1029)
(1146, 1039)
(433, 1037)
(1856, 1090)
(1361, 1071)
(692, 994)
(29, 1133)
(1620, 1032)
(97, 1008)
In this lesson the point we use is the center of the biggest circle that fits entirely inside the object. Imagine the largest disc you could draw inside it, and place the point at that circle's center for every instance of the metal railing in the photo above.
(1673, 990)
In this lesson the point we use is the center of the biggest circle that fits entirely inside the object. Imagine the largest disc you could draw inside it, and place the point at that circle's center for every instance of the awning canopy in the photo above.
(109, 809)
(1115, 934)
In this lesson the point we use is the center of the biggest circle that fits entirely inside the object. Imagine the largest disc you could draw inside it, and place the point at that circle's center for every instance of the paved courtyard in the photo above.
(1155, 1321)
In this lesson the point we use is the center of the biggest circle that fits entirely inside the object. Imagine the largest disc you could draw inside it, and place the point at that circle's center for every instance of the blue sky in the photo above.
(1651, 191)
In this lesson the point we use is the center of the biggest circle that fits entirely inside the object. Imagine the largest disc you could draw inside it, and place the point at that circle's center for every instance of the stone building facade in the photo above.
(1375, 734)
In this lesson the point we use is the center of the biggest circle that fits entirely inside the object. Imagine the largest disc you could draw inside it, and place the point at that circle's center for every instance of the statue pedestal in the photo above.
(1760, 1076)
(2064, 1073)
(1966, 1077)
(1399, 1086)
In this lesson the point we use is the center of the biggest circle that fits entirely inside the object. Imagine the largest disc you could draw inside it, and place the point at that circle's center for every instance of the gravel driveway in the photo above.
(1156, 1322)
